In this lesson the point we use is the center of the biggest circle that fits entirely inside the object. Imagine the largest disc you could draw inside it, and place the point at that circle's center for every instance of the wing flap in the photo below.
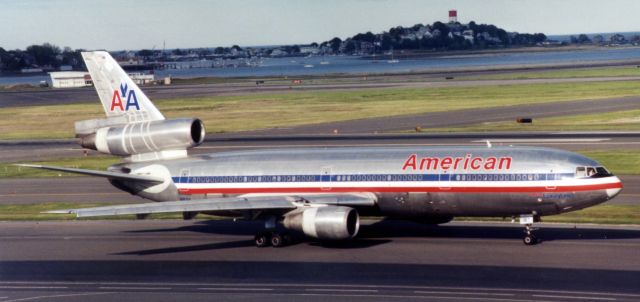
(200, 205)
(107, 174)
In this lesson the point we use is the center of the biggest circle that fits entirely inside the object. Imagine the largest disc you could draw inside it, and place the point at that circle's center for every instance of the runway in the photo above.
(88, 95)
(198, 260)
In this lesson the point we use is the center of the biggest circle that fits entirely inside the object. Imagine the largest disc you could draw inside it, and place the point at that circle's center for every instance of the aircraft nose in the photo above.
(616, 190)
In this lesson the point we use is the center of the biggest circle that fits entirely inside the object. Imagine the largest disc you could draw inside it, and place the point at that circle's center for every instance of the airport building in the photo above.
(68, 79)
(71, 79)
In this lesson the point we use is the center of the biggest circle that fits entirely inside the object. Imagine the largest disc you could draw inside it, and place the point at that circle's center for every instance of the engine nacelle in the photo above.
(326, 223)
(146, 137)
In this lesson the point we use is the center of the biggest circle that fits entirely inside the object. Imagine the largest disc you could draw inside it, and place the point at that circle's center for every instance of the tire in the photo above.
(262, 240)
(277, 240)
(530, 240)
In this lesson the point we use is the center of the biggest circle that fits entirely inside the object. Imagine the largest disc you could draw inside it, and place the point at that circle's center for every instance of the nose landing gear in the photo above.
(528, 220)
(529, 238)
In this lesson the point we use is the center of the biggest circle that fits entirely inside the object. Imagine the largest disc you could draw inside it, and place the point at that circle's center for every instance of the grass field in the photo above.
(91, 162)
(628, 120)
(619, 162)
(623, 71)
(602, 214)
(249, 112)
(21, 212)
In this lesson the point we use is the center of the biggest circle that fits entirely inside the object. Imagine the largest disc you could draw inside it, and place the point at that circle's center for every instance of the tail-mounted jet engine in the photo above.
(146, 137)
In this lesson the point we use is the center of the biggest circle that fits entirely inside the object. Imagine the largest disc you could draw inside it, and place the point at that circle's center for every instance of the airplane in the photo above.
(320, 192)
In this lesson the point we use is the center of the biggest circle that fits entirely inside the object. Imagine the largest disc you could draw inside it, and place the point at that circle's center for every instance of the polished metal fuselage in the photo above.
(409, 182)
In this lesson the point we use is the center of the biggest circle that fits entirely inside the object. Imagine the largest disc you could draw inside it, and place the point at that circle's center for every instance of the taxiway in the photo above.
(391, 260)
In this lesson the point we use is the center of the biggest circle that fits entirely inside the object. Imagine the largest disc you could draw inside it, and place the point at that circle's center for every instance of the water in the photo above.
(357, 65)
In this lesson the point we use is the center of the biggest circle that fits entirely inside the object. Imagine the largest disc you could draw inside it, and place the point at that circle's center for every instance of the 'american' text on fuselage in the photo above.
(414, 162)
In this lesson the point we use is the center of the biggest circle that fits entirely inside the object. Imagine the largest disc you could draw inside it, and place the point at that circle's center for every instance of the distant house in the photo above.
(617, 39)
(411, 37)
(487, 37)
(366, 47)
(468, 35)
(309, 49)
(423, 32)
(278, 53)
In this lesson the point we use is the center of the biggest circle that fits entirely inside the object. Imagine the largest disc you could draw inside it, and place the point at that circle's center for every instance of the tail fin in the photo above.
(120, 96)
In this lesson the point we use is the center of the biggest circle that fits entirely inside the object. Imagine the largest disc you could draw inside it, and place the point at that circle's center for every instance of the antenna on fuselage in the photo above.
(488, 144)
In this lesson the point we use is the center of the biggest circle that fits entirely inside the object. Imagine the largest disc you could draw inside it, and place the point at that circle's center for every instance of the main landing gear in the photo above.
(528, 220)
(272, 237)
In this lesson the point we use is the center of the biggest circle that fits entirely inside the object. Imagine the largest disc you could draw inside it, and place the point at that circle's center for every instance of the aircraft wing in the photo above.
(240, 203)
(106, 174)
(200, 205)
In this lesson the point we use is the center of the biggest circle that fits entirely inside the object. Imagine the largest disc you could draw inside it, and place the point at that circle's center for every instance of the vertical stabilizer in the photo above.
(120, 96)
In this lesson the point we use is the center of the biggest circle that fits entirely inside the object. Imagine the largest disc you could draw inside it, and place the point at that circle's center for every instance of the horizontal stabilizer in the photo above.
(200, 205)
(106, 174)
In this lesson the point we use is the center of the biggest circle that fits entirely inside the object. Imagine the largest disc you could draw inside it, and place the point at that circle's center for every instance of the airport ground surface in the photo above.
(16, 98)
(167, 260)
(199, 260)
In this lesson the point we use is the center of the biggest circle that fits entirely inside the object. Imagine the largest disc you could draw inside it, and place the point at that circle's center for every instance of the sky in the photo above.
(122, 24)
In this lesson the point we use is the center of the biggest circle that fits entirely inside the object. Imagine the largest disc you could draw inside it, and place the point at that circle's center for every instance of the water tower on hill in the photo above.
(453, 16)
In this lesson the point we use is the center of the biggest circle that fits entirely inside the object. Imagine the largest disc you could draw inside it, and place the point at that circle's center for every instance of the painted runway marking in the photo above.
(542, 140)
(55, 296)
(461, 293)
(134, 288)
(495, 294)
(341, 290)
(34, 287)
(576, 297)
(235, 288)
(416, 297)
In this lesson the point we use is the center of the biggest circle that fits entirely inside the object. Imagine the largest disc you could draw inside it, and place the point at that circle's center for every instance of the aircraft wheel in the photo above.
(530, 240)
(262, 240)
(277, 240)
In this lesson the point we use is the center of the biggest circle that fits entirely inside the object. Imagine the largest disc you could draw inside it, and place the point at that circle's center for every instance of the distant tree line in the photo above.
(45, 56)
(436, 36)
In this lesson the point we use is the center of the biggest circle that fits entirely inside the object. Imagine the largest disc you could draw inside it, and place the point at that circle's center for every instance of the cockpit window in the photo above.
(602, 172)
(593, 172)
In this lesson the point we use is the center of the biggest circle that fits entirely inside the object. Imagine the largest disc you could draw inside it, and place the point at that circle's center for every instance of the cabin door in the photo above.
(325, 178)
(445, 180)
(184, 176)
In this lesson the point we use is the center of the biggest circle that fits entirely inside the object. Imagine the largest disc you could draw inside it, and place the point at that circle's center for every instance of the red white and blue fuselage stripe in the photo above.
(393, 183)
